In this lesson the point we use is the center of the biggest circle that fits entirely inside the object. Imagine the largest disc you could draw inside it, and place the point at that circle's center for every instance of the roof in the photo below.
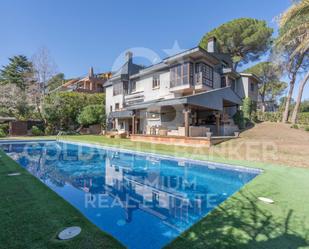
(137, 70)
(4, 119)
(251, 75)
(211, 100)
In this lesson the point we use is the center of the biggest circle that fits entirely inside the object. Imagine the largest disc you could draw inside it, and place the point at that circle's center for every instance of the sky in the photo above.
(80, 33)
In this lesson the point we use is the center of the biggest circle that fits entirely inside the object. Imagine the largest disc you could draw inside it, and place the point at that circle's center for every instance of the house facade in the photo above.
(91, 83)
(187, 94)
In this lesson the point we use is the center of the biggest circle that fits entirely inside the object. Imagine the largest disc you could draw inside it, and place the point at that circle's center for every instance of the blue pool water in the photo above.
(144, 201)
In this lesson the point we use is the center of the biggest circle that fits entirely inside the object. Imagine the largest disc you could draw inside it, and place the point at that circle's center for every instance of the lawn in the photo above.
(242, 221)
(32, 215)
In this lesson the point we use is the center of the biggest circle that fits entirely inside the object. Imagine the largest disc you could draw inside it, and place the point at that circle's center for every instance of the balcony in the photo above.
(134, 97)
(199, 84)
(180, 86)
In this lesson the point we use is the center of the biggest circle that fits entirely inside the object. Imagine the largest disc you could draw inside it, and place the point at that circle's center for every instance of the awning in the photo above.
(213, 99)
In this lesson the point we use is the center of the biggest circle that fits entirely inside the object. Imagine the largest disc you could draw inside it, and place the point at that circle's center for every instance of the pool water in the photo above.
(143, 200)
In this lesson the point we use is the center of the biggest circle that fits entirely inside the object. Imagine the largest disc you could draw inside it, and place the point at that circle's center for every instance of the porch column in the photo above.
(186, 113)
(227, 83)
(217, 115)
(114, 124)
(133, 124)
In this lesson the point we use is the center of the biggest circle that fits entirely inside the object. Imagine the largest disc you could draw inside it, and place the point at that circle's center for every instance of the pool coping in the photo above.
(206, 163)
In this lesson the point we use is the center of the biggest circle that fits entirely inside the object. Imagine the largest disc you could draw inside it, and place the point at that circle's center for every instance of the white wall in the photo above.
(112, 100)
(145, 84)
(244, 88)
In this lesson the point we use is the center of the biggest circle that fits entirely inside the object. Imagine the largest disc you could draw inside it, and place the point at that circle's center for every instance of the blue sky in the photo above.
(81, 33)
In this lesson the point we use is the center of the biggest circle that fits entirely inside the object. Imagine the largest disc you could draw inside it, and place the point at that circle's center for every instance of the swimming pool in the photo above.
(143, 200)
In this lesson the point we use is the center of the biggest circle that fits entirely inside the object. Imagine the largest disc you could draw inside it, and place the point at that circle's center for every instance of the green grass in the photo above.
(32, 215)
(241, 221)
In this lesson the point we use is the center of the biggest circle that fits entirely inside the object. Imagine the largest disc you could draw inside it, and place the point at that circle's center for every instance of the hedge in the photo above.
(303, 117)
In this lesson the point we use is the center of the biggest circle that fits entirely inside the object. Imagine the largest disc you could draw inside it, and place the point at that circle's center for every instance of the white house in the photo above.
(186, 94)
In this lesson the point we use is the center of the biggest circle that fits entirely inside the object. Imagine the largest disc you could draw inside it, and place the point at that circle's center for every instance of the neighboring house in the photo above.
(92, 83)
(184, 95)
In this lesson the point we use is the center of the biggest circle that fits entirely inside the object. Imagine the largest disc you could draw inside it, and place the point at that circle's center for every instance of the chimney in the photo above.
(212, 45)
(129, 56)
(91, 74)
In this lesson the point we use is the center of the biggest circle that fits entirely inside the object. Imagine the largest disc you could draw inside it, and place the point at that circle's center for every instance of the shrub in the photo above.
(294, 126)
(61, 110)
(239, 119)
(5, 128)
(49, 130)
(91, 114)
(35, 131)
(303, 118)
(269, 116)
(307, 128)
(2, 133)
(247, 108)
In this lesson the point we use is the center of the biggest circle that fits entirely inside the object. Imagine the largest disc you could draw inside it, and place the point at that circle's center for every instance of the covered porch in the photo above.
(195, 119)
(189, 116)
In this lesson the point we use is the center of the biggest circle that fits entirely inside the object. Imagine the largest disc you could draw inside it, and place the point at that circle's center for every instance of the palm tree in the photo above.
(294, 37)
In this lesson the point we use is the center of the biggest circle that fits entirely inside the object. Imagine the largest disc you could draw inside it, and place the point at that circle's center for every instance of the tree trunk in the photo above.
(285, 116)
(263, 98)
(299, 97)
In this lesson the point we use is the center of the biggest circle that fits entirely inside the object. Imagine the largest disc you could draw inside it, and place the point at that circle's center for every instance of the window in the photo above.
(117, 89)
(111, 108)
(117, 106)
(233, 84)
(156, 81)
(223, 81)
(252, 86)
(207, 73)
(133, 86)
(181, 74)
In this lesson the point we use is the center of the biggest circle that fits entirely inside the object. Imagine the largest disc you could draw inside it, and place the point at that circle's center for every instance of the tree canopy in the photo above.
(61, 109)
(91, 114)
(246, 39)
(271, 86)
(56, 81)
(19, 71)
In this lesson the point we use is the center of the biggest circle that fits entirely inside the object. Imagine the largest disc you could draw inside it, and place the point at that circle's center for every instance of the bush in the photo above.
(307, 128)
(303, 118)
(2, 133)
(294, 126)
(61, 110)
(247, 108)
(90, 115)
(49, 130)
(5, 128)
(239, 119)
(269, 116)
(35, 131)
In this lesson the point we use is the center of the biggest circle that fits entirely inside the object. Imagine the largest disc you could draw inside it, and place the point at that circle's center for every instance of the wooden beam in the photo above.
(133, 124)
(186, 113)
(217, 115)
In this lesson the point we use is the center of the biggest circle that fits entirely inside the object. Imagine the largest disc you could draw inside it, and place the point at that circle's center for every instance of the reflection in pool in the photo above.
(145, 201)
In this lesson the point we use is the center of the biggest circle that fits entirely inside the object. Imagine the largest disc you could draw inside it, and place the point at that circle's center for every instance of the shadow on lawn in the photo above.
(242, 224)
